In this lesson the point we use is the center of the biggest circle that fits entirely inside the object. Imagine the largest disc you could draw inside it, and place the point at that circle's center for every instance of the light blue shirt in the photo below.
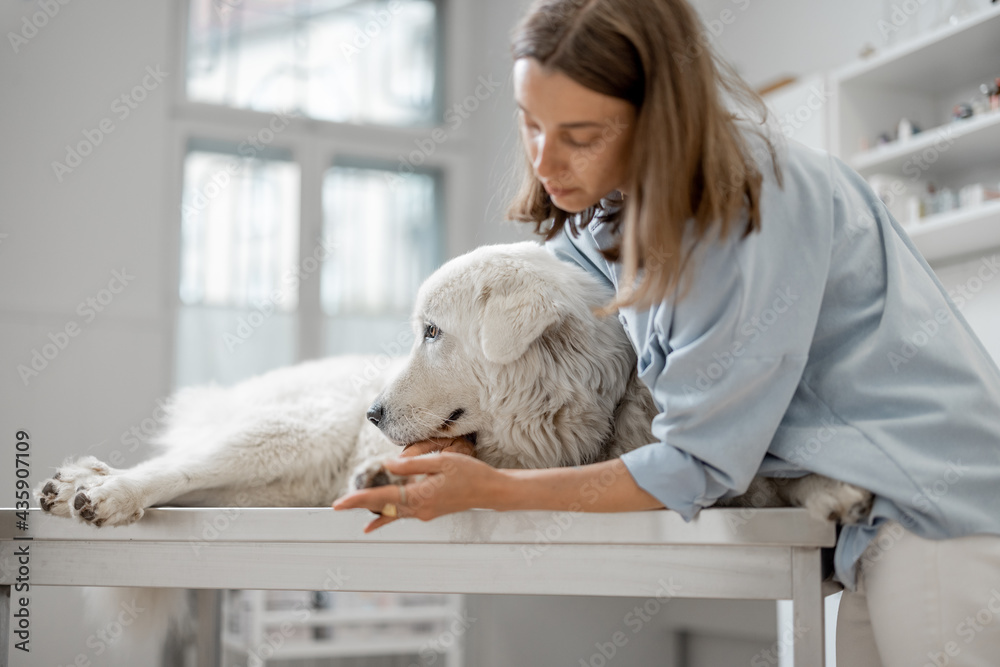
(823, 343)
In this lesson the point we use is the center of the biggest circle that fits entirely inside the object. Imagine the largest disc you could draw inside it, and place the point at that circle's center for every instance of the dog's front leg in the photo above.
(96, 493)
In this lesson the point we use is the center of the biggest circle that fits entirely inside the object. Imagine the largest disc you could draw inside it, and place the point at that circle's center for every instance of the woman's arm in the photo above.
(598, 487)
(456, 482)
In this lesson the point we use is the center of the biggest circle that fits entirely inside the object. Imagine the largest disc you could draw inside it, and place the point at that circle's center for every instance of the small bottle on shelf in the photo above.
(905, 130)
(946, 200)
(955, 12)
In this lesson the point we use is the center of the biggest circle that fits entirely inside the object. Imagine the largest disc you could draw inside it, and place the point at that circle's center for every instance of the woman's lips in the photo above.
(556, 192)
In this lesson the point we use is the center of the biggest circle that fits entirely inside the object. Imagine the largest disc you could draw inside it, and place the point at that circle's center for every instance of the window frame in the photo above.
(315, 145)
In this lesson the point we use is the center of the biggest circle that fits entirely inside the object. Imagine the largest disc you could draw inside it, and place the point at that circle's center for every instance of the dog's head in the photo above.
(505, 337)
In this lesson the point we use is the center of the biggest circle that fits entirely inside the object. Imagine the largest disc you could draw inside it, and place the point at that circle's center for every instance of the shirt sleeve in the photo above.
(724, 363)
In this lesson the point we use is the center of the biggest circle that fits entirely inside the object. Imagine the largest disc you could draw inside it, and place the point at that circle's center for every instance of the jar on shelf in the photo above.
(990, 95)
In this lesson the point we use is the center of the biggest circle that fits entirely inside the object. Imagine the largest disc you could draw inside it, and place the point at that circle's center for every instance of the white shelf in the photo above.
(334, 648)
(933, 61)
(923, 79)
(392, 627)
(957, 232)
(353, 616)
(969, 143)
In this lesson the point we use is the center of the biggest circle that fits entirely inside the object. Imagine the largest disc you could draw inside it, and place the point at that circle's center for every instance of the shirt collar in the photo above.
(610, 203)
(613, 201)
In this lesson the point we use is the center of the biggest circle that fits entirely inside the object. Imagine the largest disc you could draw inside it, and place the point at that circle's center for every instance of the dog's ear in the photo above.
(513, 316)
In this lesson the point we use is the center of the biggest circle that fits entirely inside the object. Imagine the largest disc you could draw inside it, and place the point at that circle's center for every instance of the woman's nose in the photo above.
(546, 163)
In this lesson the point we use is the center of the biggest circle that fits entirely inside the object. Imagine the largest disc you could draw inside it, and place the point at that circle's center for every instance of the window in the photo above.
(296, 239)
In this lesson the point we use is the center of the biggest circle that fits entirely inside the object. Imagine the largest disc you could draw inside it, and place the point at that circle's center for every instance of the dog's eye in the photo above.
(431, 331)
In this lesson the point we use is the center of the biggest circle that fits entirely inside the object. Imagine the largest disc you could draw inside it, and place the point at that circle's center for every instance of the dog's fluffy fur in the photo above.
(507, 352)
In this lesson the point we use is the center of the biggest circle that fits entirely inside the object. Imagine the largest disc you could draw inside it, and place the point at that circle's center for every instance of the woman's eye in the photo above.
(578, 144)
(431, 332)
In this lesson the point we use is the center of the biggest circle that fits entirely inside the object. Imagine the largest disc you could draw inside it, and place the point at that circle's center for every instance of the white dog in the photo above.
(508, 353)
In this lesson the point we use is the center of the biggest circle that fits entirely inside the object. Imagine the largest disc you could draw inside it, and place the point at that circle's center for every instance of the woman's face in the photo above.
(577, 139)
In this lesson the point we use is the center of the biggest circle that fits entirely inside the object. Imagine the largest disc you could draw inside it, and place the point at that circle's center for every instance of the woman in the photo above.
(782, 319)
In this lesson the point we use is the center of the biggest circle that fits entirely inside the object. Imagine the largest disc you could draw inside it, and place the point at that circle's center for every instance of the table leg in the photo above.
(209, 627)
(4, 624)
(807, 608)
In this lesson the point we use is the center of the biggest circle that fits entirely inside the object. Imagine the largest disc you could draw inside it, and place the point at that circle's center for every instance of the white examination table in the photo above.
(769, 554)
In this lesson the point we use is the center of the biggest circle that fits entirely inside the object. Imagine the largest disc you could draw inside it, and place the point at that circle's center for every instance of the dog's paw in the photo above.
(840, 502)
(56, 494)
(371, 473)
(114, 501)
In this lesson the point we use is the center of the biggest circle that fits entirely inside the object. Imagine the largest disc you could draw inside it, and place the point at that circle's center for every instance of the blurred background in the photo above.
(202, 190)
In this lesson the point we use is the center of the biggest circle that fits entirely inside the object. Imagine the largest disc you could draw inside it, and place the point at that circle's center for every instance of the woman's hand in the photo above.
(454, 483)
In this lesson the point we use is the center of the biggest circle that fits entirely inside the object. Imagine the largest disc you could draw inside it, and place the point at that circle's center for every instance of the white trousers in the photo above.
(923, 603)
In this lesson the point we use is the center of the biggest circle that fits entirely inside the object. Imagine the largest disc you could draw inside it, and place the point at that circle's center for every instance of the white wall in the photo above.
(63, 242)
(768, 39)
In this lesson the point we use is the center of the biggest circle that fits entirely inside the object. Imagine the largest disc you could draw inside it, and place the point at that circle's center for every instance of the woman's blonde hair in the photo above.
(689, 160)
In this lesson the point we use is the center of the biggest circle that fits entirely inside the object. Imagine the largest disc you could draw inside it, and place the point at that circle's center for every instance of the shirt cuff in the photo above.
(670, 475)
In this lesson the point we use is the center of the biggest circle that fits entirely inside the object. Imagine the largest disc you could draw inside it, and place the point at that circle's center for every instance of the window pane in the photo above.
(339, 60)
(226, 345)
(240, 230)
(382, 230)
(239, 265)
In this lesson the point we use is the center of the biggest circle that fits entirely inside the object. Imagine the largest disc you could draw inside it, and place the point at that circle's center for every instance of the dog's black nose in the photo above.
(375, 413)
